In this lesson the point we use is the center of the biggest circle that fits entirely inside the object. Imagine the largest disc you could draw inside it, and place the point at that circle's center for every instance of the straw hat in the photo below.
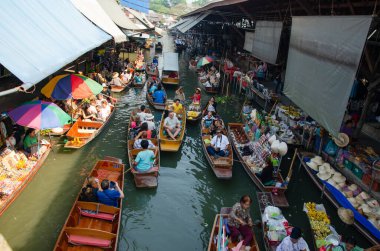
(342, 140)
(353, 202)
(364, 195)
(359, 200)
(199, 89)
(150, 117)
(353, 187)
(366, 209)
(104, 85)
(323, 174)
(318, 160)
(274, 146)
(331, 182)
(326, 167)
(346, 215)
(339, 178)
(312, 165)
(115, 75)
(373, 203)
(348, 193)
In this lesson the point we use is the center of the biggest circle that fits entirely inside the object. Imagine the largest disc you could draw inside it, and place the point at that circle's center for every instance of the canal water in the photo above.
(178, 215)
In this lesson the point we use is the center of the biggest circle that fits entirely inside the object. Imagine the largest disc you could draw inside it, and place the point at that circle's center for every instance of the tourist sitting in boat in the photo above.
(138, 79)
(293, 242)
(197, 96)
(219, 145)
(211, 106)
(109, 193)
(83, 114)
(137, 143)
(106, 107)
(348, 245)
(179, 94)
(266, 175)
(159, 96)
(105, 90)
(240, 222)
(126, 76)
(207, 120)
(116, 81)
(145, 159)
(144, 129)
(90, 190)
(142, 114)
(155, 61)
(216, 125)
(177, 106)
(150, 122)
(172, 125)
(30, 141)
(92, 107)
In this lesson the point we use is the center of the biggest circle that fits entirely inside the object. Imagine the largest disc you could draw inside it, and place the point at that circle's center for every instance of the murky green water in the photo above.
(178, 215)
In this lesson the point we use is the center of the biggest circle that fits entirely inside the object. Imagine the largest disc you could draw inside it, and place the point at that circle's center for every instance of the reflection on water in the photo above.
(177, 215)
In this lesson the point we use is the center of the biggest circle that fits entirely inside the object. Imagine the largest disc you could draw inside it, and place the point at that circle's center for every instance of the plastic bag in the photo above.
(331, 148)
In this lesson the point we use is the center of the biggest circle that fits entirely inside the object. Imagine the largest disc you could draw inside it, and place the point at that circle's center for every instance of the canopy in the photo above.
(322, 65)
(141, 17)
(191, 22)
(178, 23)
(117, 15)
(170, 61)
(266, 41)
(248, 41)
(95, 13)
(39, 37)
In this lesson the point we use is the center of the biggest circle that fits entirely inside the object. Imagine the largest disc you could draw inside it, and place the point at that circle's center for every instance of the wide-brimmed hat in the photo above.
(366, 209)
(283, 148)
(325, 168)
(373, 203)
(318, 160)
(150, 117)
(312, 165)
(359, 200)
(104, 85)
(364, 195)
(353, 187)
(115, 75)
(199, 89)
(342, 140)
(346, 215)
(332, 182)
(353, 202)
(323, 174)
(272, 138)
(339, 178)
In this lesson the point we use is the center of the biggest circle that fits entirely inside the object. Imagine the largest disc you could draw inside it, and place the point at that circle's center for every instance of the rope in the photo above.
(21, 89)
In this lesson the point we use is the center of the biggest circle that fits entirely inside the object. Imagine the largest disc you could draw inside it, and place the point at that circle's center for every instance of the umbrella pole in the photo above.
(38, 145)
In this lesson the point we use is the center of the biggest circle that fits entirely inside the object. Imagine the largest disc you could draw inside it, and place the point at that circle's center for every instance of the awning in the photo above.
(39, 37)
(171, 61)
(115, 12)
(139, 16)
(192, 22)
(178, 23)
(95, 13)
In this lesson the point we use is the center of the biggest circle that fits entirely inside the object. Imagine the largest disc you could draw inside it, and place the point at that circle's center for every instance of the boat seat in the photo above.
(82, 130)
(99, 215)
(89, 241)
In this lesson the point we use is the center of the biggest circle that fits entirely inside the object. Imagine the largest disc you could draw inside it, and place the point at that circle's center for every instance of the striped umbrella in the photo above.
(39, 115)
(69, 86)
(203, 61)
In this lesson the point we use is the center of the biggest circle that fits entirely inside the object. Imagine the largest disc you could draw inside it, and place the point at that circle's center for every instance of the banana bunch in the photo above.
(192, 114)
(76, 141)
(321, 230)
(318, 220)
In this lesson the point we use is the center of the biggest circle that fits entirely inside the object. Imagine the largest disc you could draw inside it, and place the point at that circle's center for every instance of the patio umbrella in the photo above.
(203, 61)
(71, 86)
(39, 115)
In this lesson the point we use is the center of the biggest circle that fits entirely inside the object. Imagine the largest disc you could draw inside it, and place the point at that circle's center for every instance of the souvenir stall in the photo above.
(343, 191)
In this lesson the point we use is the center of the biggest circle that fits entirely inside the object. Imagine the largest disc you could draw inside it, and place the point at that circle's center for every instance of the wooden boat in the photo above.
(152, 72)
(83, 132)
(23, 184)
(170, 70)
(213, 243)
(236, 130)
(221, 166)
(147, 179)
(193, 115)
(115, 88)
(166, 143)
(330, 197)
(149, 98)
(90, 225)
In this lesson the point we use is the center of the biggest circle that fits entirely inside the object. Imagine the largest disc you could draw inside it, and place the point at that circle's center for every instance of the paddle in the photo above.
(129, 169)
(291, 166)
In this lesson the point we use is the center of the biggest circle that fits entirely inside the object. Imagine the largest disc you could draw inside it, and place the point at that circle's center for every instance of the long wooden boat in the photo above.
(147, 179)
(236, 130)
(115, 88)
(166, 143)
(193, 115)
(222, 166)
(94, 226)
(216, 232)
(170, 68)
(12, 197)
(157, 106)
(83, 132)
(330, 197)
(134, 85)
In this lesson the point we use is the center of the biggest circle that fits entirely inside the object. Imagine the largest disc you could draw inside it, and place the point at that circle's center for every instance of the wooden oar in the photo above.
(291, 166)
(129, 169)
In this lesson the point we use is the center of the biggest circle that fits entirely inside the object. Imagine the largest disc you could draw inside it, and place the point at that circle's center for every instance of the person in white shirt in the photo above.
(137, 144)
(149, 121)
(294, 242)
(142, 114)
(219, 145)
(106, 107)
(172, 125)
(92, 108)
(102, 115)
